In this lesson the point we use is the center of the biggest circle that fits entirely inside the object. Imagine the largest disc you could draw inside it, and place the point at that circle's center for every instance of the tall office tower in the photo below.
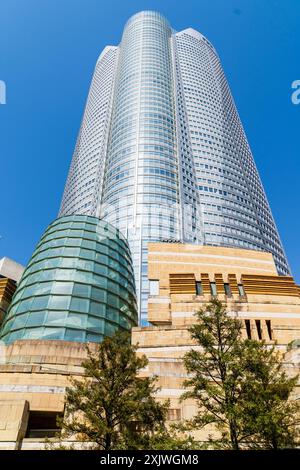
(161, 153)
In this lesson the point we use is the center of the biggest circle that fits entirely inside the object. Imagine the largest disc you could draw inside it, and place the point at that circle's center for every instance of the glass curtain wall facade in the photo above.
(141, 182)
(78, 286)
(83, 187)
(234, 207)
(162, 154)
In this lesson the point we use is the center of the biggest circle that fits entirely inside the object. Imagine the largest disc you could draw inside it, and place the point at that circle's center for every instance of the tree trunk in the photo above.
(274, 442)
(233, 437)
(107, 441)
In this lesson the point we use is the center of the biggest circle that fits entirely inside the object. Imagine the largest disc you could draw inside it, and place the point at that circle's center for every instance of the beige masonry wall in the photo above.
(270, 304)
(13, 422)
(33, 377)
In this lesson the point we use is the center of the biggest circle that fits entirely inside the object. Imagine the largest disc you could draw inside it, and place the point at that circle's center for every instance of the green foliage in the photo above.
(112, 407)
(272, 415)
(239, 385)
(173, 438)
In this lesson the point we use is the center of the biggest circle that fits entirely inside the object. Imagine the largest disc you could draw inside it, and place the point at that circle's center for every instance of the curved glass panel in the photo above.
(88, 297)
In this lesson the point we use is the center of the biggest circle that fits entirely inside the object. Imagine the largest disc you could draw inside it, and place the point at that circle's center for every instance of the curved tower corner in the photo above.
(84, 182)
(233, 205)
(78, 286)
(141, 195)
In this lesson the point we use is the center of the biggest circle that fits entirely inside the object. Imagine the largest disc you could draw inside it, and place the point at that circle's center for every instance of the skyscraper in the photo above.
(162, 154)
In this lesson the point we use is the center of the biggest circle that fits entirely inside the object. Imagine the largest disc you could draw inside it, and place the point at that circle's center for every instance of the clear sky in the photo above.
(48, 49)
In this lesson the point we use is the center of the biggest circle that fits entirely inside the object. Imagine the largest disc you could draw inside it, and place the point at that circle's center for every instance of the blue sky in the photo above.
(48, 49)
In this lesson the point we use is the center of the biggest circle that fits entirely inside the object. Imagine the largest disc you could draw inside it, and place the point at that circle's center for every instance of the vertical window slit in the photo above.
(248, 328)
(269, 328)
(258, 327)
(198, 288)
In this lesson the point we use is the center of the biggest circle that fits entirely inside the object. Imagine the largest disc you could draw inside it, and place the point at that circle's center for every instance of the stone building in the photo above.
(182, 279)
(35, 373)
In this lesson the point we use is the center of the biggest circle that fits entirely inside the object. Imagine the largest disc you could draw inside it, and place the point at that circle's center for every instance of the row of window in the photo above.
(154, 288)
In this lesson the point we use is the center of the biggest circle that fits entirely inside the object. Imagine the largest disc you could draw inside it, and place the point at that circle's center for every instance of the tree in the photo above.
(238, 384)
(112, 407)
(174, 437)
(272, 416)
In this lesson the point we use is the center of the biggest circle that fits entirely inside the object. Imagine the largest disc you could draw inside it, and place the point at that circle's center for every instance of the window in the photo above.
(258, 327)
(40, 302)
(76, 320)
(24, 306)
(53, 333)
(94, 338)
(213, 288)
(15, 335)
(113, 300)
(241, 290)
(82, 290)
(56, 318)
(96, 324)
(154, 287)
(109, 329)
(32, 333)
(42, 424)
(62, 288)
(227, 289)
(58, 302)
(198, 288)
(79, 305)
(97, 309)
(98, 294)
(248, 328)
(174, 414)
(269, 329)
(74, 335)
(36, 318)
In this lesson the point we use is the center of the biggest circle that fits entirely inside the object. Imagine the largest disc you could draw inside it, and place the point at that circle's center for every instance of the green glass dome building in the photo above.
(78, 285)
